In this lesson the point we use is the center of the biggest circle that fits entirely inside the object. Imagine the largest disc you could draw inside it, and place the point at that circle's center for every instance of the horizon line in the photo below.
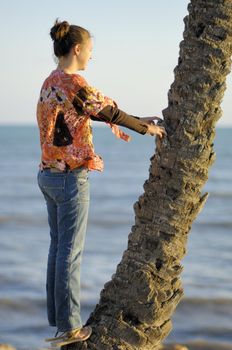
(95, 123)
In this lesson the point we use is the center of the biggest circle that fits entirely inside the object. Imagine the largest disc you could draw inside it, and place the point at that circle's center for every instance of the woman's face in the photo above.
(84, 54)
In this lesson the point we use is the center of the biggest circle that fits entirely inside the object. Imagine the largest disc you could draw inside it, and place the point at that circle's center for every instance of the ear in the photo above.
(76, 49)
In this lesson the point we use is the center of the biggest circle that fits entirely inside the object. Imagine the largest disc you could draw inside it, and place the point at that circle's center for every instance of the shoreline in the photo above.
(197, 345)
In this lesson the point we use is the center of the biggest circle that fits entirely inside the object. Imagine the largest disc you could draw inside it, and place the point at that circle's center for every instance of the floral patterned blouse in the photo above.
(64, 110)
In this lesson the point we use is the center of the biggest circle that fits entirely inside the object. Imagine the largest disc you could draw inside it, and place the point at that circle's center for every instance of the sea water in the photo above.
(205, 313)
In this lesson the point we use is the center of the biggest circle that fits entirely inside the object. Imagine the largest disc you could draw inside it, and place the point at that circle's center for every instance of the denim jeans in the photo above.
(67, 200)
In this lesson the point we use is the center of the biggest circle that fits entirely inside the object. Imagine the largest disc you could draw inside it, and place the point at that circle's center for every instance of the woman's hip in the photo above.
(64, 186)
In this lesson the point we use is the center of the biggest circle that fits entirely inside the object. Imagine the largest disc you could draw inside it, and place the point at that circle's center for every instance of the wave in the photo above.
(31, 305)
(27, 304)
(207, 301)
(207, 310)
(224, 195)
(25, 219)
(38, 220)
(11, 197)
(213, 224)
(22, 304)
(108, 221)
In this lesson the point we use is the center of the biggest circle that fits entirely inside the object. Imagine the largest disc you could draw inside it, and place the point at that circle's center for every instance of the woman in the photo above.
(65, 108)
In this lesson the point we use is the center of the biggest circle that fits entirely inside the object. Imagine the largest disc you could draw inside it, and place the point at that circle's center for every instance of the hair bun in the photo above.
(59, 30)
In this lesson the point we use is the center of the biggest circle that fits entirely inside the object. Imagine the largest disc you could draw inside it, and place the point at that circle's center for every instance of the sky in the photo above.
(136, 46)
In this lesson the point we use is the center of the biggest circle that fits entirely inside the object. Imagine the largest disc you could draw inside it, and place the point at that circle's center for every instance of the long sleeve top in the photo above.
(116, 116)
(66, 106)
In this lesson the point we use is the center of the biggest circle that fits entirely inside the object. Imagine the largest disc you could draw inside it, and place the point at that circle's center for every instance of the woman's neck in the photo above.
(68, 66)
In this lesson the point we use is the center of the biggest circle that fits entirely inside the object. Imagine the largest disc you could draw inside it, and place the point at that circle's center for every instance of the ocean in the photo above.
(204, 314)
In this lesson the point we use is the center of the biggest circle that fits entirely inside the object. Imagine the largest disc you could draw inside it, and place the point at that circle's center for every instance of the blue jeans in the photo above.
(67, 200)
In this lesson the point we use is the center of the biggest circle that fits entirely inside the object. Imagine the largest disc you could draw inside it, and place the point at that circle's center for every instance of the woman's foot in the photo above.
(75, 335)
(56, 337)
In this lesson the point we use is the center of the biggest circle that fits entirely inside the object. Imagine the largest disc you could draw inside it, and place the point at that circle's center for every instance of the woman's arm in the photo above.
(116, 116)
(91, 101)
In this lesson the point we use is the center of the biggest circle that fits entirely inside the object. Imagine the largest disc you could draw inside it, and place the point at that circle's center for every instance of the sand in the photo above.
(197, 346)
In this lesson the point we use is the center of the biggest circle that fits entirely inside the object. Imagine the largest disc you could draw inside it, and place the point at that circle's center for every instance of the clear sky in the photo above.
(136, 45)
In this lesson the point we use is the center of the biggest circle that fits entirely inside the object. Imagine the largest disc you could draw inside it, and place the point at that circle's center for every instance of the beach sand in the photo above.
(197, 346)
(6, 347)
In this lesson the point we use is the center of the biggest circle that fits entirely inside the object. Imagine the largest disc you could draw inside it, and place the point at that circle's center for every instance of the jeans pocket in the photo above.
(52, 185)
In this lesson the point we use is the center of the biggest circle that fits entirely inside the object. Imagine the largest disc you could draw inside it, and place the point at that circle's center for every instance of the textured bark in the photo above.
(135, 306)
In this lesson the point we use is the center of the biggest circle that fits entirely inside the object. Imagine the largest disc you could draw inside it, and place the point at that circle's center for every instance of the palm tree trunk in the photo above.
(135, 306)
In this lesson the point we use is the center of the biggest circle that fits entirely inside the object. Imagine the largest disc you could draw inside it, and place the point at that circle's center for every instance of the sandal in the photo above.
(56, 337)
(76, 335)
